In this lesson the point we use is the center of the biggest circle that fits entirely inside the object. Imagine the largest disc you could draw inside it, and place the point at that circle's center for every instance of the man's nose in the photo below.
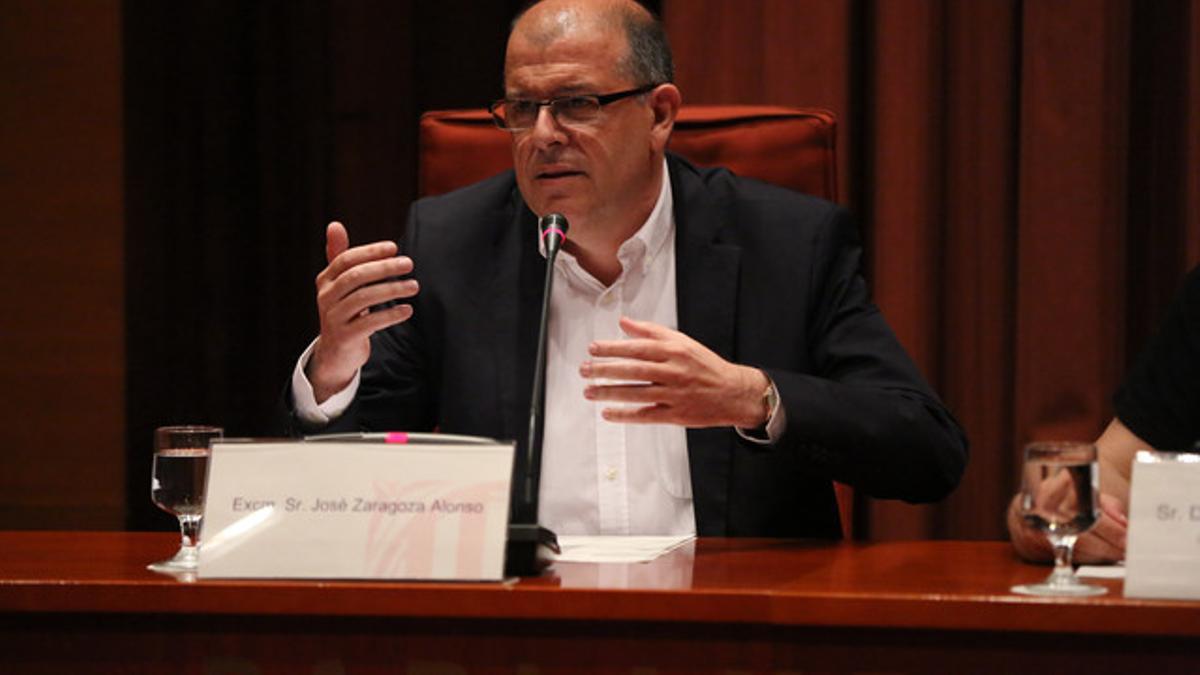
(546, 129)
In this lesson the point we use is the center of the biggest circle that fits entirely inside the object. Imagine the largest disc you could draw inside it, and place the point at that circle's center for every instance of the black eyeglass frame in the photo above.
(601, 99)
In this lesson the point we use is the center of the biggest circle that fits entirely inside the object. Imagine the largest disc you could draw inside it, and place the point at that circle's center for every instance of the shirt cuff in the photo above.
(305, 401)
(773, 430)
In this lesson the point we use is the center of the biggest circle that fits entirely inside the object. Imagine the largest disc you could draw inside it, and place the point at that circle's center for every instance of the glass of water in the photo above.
(1060, 492)
(177, 486)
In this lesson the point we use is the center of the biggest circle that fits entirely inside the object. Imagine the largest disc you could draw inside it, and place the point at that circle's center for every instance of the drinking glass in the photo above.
(177, 486)
(1060, 496)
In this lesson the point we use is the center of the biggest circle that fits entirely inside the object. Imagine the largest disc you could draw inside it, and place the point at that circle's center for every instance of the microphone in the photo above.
(525, 535)
(553, 228)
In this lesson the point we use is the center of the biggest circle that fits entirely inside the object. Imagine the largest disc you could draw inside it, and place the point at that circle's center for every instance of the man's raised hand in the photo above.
(355, 280)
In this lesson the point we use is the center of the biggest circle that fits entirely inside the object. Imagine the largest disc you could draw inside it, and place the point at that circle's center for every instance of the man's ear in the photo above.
(664, 101)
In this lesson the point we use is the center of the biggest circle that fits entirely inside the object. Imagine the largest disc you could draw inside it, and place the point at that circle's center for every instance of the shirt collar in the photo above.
(646, 243)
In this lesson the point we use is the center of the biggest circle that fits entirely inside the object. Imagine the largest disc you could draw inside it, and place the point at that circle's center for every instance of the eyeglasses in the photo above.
(518, 114)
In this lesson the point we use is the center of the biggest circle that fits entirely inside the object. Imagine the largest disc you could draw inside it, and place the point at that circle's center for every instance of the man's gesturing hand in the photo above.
(355, 280)
(675, 379)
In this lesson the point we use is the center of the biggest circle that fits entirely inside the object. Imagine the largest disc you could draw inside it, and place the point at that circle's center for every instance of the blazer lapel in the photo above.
(706, 298)
(520, 316)
(515, 299)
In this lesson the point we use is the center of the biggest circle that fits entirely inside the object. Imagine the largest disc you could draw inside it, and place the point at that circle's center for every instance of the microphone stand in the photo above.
(525, 535)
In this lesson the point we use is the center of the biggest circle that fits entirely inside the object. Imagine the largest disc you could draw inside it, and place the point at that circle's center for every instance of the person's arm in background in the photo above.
(1106, 541)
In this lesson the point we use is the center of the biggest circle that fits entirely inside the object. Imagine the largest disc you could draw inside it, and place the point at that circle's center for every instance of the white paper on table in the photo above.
(1101, 571)
(617, 549)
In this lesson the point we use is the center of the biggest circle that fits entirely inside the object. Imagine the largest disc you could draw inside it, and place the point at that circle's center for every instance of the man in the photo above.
(714, 360)
(1157, 406)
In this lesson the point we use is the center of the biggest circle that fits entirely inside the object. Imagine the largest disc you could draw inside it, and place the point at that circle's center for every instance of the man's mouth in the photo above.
(557, 174)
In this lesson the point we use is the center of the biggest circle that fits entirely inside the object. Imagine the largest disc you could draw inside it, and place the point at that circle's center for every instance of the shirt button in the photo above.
(607, 300)
(611, 474)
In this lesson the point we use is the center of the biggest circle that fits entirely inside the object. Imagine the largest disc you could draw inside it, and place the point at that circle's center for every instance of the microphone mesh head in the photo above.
(553, 220)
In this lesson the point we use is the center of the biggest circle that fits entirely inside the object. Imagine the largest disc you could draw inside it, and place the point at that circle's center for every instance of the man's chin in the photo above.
(568, 206)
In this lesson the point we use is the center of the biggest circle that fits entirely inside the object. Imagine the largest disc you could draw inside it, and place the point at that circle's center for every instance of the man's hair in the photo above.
(649, 58)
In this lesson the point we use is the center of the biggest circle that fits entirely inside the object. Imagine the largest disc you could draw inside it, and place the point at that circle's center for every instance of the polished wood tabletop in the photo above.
(940, 585)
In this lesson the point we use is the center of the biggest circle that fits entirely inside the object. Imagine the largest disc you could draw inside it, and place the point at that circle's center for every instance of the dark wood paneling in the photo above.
(978, 254)
(780, 52)
(1191, 222)
(227, 183)
(62, 325)
(905, 185)
(1072, 214)
(1160, 125)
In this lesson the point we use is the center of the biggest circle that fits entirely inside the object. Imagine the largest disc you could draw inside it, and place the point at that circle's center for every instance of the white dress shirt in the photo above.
(598, 477)
(601, 477)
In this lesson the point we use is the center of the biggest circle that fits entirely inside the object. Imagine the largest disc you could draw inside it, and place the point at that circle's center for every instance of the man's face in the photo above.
(589, 172)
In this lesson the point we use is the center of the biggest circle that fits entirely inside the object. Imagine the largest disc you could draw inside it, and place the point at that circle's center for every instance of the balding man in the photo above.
(714, 359)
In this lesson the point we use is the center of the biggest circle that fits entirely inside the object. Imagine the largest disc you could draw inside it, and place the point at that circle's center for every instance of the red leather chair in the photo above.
(790, 147)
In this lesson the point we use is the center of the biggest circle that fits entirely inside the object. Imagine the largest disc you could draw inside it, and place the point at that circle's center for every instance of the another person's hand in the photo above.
(1104, 543)
(673, 379)
(355, 280)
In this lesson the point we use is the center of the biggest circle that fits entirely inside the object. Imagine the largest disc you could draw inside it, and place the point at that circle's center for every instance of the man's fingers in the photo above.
(362, 275)
(353, 257)
(650, 414)
(1112, 533)
(628, 393)
(644, 350)
(1090, 548)
(337, 240)
(373, 322)
(364, 324)
(643, 329)
(362, 299)
(1113, 508)
(637, 371)
(1103, 543)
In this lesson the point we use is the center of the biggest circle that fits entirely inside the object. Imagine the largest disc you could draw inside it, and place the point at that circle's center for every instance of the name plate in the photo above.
(356, 510)
(1162, 558)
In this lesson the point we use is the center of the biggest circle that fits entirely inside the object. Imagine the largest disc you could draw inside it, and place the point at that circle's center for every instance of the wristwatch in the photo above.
(770, 399)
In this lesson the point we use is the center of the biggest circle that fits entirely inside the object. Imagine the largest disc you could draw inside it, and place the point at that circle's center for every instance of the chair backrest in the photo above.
(794, 148)
(785, 146)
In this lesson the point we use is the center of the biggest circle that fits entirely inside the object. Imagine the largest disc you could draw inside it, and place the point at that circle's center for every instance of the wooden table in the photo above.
(84, 603)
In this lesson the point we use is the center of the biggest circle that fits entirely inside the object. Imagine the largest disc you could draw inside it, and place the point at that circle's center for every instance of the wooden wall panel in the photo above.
(978, 253)
(1156, 247)
(1192, 211)
(1071, 263)
(61, 341)
(782, 52)
(904, 186)
(941, 130)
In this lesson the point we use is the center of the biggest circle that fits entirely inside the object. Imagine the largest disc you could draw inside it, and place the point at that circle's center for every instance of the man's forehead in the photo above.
(570, 64)
(547, 23)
